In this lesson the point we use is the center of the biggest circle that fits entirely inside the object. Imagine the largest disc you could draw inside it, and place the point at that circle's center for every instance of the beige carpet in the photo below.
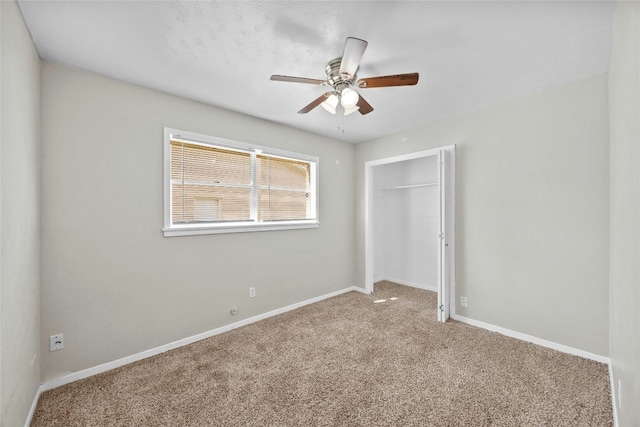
(345, 361)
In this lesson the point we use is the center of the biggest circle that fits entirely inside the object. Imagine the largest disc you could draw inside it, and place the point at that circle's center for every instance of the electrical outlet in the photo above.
(56, 342)
(463, 301)
(252, 292)
(234, 311)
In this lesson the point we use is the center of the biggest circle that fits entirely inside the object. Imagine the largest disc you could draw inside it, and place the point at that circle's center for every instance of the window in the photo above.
(214, 185)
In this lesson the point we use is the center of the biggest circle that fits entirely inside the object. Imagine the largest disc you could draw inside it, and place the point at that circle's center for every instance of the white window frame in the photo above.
(171, 230)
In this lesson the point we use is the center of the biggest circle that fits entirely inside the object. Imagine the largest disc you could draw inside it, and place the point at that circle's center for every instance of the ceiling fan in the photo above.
(341, 76)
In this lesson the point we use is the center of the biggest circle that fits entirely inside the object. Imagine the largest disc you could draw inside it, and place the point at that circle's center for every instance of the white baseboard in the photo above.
(34, 405)
(412, 284)
(85, 373)
(614, 396)
(535, 340)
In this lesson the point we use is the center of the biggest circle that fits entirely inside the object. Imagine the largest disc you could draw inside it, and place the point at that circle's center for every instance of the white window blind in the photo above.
(209, 184)
(218, 186)
(283, 188)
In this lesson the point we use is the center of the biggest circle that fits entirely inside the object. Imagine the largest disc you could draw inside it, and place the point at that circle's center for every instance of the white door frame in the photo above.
(448, 258)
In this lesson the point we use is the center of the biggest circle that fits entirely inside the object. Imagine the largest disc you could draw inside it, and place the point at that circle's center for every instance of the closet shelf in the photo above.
(398, 187)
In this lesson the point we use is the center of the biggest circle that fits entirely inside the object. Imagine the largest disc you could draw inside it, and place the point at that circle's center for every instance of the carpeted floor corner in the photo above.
(345, 361)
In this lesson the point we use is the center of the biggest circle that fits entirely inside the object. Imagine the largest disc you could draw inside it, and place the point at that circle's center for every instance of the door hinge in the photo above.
(441, 307)
(441, 235)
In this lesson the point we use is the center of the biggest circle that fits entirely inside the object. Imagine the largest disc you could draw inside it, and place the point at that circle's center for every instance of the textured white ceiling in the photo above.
(468, 54)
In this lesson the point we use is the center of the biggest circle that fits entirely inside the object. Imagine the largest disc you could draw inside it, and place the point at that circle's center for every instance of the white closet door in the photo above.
(444, 256)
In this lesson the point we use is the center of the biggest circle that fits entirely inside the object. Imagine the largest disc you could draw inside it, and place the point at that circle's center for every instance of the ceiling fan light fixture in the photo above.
(349, 98)
(331, 103)
(351, 110)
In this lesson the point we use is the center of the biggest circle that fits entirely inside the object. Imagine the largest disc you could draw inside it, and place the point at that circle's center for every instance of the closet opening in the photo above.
(409, 223)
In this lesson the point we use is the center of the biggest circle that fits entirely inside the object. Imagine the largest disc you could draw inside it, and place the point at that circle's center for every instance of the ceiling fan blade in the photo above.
(408, 79)
(279, 78)
(315, 103)
(353, 51)
(365, 107)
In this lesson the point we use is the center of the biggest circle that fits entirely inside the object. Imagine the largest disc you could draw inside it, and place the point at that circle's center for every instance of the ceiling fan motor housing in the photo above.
(335, 79)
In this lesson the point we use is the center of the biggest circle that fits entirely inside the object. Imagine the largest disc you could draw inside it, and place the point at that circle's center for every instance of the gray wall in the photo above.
(110, 281)
(532, 241)
(624, 86)
(19, 213)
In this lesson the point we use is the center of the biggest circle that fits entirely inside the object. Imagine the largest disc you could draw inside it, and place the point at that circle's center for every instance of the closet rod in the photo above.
(429, 184)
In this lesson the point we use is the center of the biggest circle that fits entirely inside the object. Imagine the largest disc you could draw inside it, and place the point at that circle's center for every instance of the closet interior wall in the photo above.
(406, 205)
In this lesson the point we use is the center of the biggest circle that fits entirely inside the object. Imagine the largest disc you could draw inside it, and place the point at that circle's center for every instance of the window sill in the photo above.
(238, 228)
